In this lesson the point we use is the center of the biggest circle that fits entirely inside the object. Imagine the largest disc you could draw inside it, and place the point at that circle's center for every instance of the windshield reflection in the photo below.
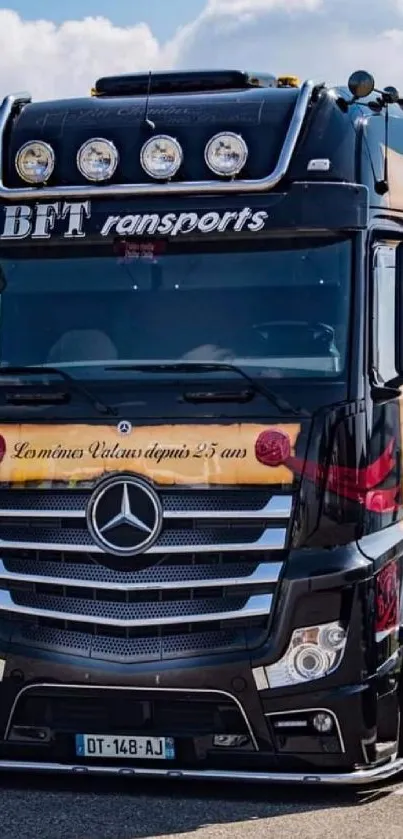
(279, 307)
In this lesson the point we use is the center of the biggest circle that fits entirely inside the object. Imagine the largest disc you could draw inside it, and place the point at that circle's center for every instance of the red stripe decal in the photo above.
(366, 478)
(356, 484)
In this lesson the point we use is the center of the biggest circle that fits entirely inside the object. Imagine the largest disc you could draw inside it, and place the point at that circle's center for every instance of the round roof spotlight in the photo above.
(35, 162)
(226, 154)
(97, 159)
(361, 84)
(161, 157)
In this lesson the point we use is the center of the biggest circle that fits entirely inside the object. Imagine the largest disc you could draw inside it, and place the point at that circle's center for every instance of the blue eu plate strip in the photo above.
(169, 749)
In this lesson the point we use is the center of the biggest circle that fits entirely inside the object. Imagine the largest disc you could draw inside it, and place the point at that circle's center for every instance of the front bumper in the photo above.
(353, 708)
(357, 702)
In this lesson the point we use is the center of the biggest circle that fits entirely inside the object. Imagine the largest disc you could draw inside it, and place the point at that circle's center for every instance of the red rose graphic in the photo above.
(3, 447)
(272, 448)
(387, 600)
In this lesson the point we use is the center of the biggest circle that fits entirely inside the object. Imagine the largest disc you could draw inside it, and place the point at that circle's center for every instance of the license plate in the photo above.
(129, 748)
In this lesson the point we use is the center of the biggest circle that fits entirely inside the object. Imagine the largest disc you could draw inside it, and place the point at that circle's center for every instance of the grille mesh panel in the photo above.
(157, 574)
(128, 611)
(178, 501)
(181, 600)
(81, 538)
(154, 648)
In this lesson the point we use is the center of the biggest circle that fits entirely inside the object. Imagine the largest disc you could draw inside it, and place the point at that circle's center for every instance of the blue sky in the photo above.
(57, 48)
(163, 16)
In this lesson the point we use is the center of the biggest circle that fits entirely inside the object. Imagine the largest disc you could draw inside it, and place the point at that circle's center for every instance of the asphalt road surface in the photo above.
(82, 808)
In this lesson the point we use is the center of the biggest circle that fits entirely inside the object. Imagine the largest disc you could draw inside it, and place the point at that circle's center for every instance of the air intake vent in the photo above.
(138, 84)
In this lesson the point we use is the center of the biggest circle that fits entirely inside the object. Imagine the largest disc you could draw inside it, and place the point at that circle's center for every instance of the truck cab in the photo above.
(201, 363)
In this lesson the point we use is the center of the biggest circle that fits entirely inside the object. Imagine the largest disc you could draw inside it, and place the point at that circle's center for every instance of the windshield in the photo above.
(278, 307)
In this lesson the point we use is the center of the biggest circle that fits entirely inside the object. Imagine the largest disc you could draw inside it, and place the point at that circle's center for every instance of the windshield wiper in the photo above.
(73, 384)
(211, 367)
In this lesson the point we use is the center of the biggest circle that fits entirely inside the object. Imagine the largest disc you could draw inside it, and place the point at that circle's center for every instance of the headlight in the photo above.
(226, 154)
(35, 162)
(97, 159)
(313, 652)
(161, 157)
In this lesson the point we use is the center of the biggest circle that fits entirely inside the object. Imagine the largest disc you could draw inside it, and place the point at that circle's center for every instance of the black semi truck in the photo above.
(201, 363)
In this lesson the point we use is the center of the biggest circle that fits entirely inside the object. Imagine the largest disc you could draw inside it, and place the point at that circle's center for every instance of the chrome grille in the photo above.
(160, 577)
(176, 541)
(208, 585)
(138, 614)
(177, 504)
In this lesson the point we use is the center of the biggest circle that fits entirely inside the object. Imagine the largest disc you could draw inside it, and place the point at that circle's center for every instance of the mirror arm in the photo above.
(382, 392)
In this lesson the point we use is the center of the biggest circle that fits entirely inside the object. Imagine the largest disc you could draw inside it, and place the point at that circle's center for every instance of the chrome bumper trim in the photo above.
(359, 777)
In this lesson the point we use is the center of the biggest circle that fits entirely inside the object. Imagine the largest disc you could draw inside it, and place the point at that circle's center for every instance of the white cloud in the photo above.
(65, 60)
(236, 7)
(321, 39)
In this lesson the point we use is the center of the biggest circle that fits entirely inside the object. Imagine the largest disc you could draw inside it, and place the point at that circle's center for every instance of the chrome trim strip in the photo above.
(273, 538)
(73, 687)
(359, 777)
(266, 572)
(278, 507)
(313, 711)
(389, 664)
(258, 605)
(42, 514)
(212, 187)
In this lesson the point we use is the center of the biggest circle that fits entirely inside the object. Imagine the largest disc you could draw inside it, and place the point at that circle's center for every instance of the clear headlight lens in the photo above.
(226, 154)
(161, 157)
(35, 162)
(313, 652)
(97, 159)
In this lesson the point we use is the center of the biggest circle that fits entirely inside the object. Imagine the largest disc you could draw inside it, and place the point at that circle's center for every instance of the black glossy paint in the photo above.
(192, 119)
(303, 206)
(190, 81)
(337, 545)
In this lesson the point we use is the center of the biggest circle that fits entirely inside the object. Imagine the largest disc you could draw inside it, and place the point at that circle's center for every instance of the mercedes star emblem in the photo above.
(124, 515)
(125, 427)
